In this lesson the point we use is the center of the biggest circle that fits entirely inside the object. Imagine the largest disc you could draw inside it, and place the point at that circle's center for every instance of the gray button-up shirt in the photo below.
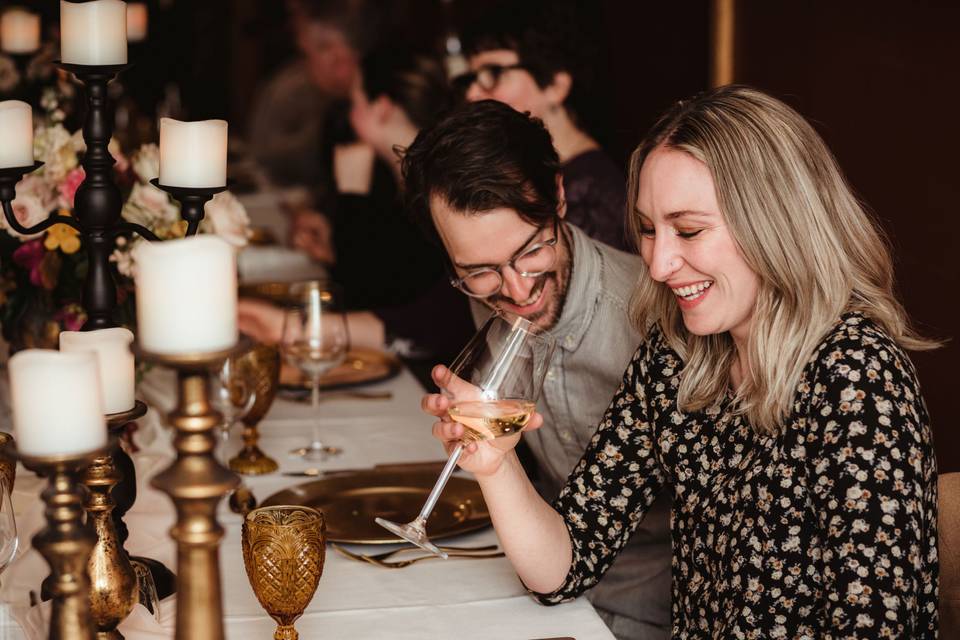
(595, 341)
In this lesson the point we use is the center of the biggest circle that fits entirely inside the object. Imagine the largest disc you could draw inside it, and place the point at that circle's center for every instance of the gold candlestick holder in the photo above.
(260, 365)
(114, 590)
(65, 543)
(196, 483)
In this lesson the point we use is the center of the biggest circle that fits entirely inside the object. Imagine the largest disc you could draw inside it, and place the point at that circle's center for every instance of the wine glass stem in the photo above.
(315, 405)
(448, 470)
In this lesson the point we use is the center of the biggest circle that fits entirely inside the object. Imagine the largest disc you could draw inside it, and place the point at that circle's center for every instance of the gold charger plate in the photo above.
(350, 502)
(361, 366)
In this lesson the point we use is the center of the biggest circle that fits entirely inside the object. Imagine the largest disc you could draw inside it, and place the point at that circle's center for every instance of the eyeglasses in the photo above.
(535, 260)
(486, 77)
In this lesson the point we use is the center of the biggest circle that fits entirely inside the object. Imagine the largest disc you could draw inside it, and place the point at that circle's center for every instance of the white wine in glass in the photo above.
(497, 380)
(315, 340)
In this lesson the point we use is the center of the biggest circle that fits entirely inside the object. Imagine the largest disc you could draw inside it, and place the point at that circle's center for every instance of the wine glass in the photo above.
(233, 396)
(315, 340)
(498, 378)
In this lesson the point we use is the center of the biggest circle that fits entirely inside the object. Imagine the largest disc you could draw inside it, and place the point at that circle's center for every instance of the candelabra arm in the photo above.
(145, 233)
(37, 228)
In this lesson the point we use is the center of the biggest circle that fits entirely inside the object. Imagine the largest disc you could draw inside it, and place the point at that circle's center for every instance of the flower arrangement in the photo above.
(41, 277)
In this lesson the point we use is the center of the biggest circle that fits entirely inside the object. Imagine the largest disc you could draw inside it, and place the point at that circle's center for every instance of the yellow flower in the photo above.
(64, 237)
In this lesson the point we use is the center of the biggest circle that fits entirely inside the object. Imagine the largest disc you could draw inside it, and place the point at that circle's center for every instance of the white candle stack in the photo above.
(16, 132)
(186, 295)
(19, 31)
(93, 33)
(57, 408)
(115, 361)
(193, 154)
(137, 21)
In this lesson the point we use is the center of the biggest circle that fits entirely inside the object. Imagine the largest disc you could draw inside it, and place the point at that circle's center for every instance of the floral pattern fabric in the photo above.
(825, 530)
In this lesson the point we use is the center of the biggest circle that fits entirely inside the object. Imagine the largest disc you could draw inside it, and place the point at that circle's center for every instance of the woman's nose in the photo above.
(664, 261)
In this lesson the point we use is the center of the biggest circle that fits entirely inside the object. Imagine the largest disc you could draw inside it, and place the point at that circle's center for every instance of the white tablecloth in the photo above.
(463, 599)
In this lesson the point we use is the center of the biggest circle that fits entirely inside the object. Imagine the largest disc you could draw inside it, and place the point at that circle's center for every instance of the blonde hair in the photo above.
(815, 250)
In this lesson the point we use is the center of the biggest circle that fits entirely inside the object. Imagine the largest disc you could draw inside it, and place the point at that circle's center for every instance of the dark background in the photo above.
(877, 78)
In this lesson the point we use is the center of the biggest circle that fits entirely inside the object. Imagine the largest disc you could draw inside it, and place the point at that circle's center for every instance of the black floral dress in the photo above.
(827, 530)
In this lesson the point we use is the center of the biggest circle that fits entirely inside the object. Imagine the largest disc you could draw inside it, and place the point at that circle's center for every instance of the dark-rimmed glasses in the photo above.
(530, 262)
(486, 77)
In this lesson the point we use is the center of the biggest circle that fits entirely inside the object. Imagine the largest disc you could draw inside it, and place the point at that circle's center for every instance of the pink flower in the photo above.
(30, 256)
(71, 317)
(69, 186)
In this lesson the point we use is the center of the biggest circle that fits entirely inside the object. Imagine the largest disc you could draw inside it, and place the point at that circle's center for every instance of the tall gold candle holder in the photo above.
(196, 483)
(65, 543)
(113, 582)
(260, 365)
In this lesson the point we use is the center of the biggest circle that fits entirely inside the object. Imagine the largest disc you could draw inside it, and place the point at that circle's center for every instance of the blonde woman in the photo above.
(772, 389)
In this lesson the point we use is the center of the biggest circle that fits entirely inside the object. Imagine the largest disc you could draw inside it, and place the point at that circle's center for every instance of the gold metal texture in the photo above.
(261, 365)
(284, 548)
(350, 502)
(65, 543)
(8, 460)
(196, 483)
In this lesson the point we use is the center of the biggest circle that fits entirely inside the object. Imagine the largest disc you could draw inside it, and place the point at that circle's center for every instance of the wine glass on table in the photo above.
(494, 390)
(315, 340)
(233, 397)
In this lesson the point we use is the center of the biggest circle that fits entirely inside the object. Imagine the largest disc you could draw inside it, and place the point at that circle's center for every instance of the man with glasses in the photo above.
(485, 182)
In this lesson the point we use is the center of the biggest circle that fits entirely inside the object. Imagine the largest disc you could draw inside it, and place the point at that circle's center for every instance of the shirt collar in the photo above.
(583, 292)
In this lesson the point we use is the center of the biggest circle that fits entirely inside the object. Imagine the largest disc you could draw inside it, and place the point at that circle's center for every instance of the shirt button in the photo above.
(565, 436)
(550, 374)
(568, 342)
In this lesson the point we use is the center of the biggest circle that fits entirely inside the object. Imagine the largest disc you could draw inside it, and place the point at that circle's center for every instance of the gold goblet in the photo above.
(261, 365)
(8, 460)
(283, 551)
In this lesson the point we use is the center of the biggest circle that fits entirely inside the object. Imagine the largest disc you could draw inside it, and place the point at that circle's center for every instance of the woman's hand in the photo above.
(481, 458)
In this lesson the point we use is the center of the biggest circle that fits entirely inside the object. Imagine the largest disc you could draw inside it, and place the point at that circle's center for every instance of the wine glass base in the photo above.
(316, 452)
(412, 533)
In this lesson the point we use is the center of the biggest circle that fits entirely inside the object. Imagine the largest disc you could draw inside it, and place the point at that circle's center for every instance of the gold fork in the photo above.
(379, 559)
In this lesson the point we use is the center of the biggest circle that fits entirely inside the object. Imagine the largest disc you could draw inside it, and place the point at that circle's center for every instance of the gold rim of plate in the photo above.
(350, 503)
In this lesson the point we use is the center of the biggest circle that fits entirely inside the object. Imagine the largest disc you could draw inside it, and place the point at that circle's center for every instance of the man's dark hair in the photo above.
(358, 20)
(483, 156)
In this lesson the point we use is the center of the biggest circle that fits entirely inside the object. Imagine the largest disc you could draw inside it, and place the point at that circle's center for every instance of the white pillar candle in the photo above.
(193, 154)
(16, 133)
(186, 295)
(93, 32)
(115, 360)
(56, 401)
(137, 20)
(19, 31)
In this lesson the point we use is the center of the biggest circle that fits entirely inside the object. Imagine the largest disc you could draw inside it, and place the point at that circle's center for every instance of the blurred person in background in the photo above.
(390, 274)
(301, 110)
(529, 57)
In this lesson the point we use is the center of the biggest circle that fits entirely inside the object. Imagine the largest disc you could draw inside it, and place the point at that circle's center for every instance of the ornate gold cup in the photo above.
(261, 365)
(283, 551)
(8, 460)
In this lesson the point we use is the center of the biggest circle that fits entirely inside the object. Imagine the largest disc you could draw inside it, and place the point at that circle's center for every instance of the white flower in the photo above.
(150, 207)
(228, 219)
(146, 162)
(29, 210)
(54, 147)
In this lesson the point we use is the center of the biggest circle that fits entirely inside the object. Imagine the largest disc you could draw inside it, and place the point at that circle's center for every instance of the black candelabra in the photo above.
(97, 206)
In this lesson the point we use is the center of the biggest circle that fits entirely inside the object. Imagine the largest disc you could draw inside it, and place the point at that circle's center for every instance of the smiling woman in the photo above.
(772, 391)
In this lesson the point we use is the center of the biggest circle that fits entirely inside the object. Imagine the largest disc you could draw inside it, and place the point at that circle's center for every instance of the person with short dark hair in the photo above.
(529, 55)
(486, 181)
